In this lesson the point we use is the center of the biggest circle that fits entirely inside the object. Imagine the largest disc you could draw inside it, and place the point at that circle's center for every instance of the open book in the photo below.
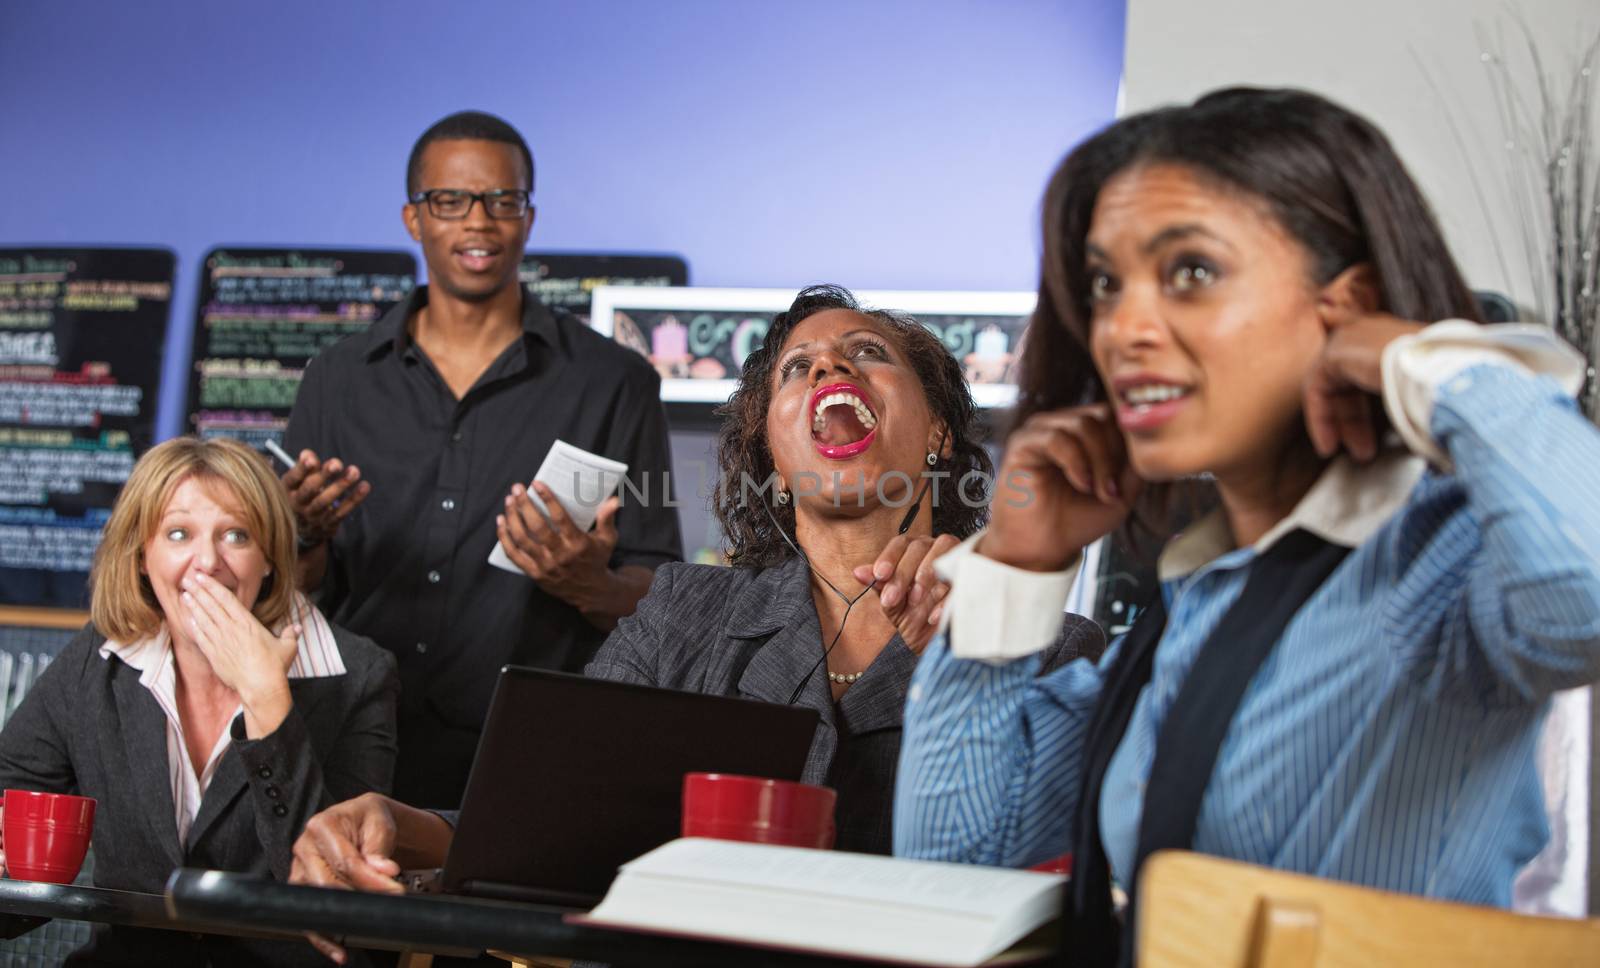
(830, 902)
(581, 481)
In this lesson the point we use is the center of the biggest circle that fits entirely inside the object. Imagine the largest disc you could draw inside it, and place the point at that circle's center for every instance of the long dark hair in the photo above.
(744, 456)
(1327, 176)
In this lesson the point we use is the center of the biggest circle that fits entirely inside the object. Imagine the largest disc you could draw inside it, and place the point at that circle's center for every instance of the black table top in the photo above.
(213, 899)
(39, 899)
(215, 902)
(25, 905)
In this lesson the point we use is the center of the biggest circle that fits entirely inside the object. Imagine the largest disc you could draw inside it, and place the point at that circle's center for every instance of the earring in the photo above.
(782, 497)
(933, 458)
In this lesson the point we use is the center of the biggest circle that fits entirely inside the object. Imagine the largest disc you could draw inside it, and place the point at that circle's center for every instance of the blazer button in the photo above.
(280, 810)
(265, 773)
(272, 793)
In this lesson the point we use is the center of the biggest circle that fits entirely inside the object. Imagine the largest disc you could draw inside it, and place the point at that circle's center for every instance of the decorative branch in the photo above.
(1553, 175)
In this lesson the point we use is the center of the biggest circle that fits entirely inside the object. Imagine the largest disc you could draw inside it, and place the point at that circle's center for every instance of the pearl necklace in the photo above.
(843, 678)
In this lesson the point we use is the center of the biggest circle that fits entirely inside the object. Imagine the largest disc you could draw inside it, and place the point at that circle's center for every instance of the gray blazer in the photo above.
(755, 633)
(87, 726)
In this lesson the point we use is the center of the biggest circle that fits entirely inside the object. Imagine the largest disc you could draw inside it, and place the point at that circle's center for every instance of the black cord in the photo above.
(849, 603)
(927, 482)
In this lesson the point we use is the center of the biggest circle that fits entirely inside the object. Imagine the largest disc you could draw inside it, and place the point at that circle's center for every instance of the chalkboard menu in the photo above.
(698, 338)
(81, 334)
(567, 280)
(264, 313)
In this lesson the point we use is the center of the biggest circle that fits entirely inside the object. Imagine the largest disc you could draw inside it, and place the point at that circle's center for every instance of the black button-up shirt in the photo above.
(409, 567)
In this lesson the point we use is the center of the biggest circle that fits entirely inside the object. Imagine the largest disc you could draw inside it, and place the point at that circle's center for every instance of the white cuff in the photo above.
(996, 612)
(1416, 367)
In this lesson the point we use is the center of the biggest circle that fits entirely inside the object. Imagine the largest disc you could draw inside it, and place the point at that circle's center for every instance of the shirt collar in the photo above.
(391, 333)
(1348, 503)
(316, 657)
(147, 655)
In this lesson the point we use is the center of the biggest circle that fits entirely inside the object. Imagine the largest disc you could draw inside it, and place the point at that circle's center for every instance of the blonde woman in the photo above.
(208, 706)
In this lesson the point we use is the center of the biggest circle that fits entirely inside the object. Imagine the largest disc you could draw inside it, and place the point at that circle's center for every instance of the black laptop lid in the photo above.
(575, 776)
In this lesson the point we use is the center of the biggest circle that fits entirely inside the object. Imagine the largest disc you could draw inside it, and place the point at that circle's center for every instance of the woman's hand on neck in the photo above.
(837, 544)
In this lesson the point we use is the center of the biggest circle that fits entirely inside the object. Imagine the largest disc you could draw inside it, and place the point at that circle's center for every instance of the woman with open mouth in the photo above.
(847, 439)
(1347, 667)
(851, 437)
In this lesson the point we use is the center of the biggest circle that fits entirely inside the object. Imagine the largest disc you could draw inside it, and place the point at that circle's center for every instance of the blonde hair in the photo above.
(122, 604)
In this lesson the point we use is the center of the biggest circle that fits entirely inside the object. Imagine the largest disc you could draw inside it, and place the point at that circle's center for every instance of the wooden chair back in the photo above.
(1204, 911)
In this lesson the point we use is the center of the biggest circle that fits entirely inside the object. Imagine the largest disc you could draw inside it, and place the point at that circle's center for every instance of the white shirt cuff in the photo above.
(996, 612)
(1416, 367)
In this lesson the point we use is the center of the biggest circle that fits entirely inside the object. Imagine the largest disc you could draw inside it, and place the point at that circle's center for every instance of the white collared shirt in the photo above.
(317, 656)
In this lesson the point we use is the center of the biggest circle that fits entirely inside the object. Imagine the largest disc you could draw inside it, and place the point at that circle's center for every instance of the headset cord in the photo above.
(849, 603)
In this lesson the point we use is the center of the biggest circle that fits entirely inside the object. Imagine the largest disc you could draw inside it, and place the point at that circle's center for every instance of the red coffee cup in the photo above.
(757, 810)
(1055, 865)
(45, 835)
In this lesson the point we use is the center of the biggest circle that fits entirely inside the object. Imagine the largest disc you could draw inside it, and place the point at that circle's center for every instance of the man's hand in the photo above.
(910, 594)
(349, 846)
(323, 493)
(570, 564)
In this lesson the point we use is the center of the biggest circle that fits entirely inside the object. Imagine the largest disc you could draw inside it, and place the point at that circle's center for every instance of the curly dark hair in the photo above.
(743, 455)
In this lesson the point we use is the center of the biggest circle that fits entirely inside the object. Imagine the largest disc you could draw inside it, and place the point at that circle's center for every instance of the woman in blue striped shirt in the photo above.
(1235, 289)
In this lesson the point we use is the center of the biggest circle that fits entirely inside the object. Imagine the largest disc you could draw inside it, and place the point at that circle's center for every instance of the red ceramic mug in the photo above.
(1055, 865)
(45, 835)
(757, 810)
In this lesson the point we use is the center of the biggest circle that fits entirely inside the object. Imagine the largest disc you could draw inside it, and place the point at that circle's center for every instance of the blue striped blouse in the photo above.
(1389, 738)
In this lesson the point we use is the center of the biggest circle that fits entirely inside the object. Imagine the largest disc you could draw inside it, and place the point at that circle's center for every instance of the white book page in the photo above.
(956, 889)
(581, 481)
(768, 916)
(883, 907)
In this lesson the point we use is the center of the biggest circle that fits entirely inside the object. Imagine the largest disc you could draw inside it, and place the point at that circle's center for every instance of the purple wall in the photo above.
(887, 144)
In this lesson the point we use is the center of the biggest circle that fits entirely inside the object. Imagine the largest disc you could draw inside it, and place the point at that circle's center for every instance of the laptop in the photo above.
(575, 776)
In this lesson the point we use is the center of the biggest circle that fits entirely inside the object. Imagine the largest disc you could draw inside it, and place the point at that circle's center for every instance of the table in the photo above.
(214, 900)
(25, 905)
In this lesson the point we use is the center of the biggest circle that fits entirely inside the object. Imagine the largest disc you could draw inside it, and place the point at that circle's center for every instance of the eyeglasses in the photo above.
(455, 203)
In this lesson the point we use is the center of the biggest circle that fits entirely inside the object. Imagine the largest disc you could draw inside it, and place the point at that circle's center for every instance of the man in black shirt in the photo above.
(415, 441)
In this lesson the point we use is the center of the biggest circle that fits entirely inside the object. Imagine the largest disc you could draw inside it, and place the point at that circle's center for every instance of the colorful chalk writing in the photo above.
(81, 335)
(566, 280)
(264, 313)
